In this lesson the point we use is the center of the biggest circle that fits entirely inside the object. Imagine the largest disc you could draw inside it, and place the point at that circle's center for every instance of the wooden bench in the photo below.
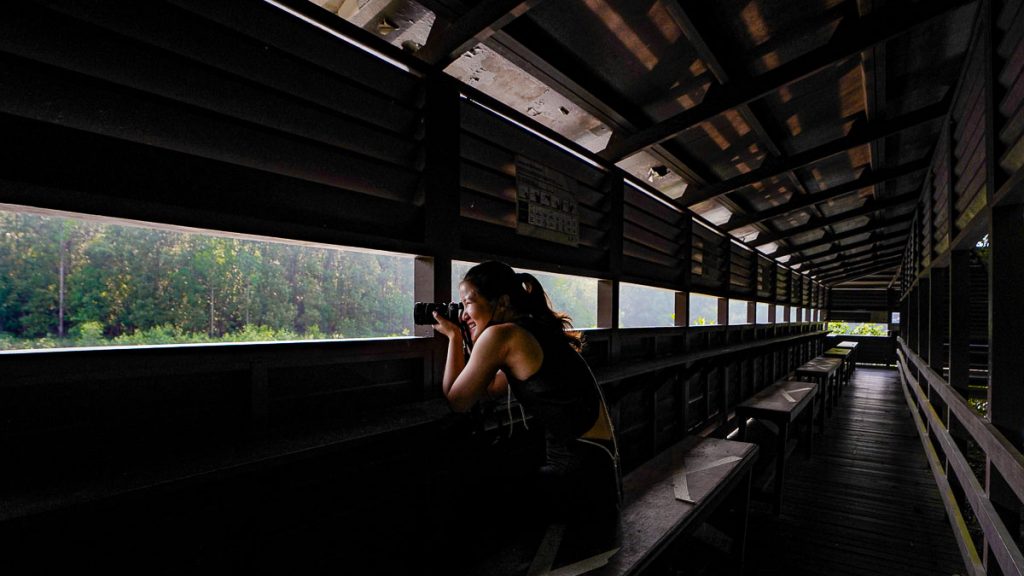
(781, 404)
(655, 512)
(852, 347)
(664, 500)
(825, 372)
(846, 370)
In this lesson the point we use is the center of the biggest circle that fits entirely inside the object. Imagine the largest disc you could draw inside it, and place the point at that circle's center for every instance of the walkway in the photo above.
(865, 504)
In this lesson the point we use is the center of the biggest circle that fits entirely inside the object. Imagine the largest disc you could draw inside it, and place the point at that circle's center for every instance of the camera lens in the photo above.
(423, 313)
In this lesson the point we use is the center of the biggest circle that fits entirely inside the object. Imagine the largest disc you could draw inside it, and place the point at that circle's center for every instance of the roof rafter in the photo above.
(871, 227)
(859, 258)
(880, 269)
(858, 136)
(867, 179)
(446, 44)
(531, 48)
(815, 223)
(867, 266)
(850, 39)
(842, 248)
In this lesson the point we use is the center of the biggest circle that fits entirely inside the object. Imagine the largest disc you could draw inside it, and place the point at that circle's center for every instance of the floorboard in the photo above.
(865, 503)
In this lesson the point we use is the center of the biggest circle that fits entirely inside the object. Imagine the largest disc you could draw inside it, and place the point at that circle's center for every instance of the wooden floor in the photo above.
(865, 504)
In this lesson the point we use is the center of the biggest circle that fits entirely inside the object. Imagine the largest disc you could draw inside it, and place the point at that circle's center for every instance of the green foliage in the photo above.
(127, 285)
(88, 333)
(870, 330)
(838, 328)
(864, 329)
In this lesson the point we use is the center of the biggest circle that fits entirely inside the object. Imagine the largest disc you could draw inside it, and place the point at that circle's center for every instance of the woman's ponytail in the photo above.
(526, 296)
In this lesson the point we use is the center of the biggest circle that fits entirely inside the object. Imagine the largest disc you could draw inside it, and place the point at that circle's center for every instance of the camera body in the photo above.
(423, 312)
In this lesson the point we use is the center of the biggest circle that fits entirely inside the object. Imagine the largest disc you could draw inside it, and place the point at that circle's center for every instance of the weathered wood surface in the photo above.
(782, 401)
(653, 518)
(865, 504)
(780, 404)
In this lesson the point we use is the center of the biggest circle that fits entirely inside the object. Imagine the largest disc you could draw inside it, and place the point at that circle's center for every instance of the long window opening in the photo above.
(70, 281)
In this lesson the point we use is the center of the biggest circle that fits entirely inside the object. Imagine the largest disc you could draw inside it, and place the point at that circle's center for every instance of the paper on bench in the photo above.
(680, 486)
(785, 393)
(541, 565)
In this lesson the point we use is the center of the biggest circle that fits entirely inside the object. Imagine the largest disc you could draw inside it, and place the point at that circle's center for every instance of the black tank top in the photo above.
(562, 394)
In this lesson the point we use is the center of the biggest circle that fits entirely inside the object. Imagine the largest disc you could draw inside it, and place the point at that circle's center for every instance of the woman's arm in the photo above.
(466, 382)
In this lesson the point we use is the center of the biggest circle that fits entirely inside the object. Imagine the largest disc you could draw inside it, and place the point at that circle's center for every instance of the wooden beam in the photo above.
(530, 47)
(858, 136)
(856, 275)
(960, 321)
(871, 267)
(853, 260)
(842, 248)
(816, 223)
(478, 24)
(850, 39)
(827, 239)
(1006, 308)
(867, 179)
(857, 267)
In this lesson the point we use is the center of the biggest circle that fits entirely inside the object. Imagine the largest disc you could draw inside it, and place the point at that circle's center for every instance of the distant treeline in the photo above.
(69, 282)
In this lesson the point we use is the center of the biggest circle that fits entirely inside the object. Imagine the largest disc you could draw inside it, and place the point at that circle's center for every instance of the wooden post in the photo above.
(441, 187)
(1006, 309)
(959, 320)
(937, 325)
(911, 322)
(723, 311)
(682, 309)
(923, 315)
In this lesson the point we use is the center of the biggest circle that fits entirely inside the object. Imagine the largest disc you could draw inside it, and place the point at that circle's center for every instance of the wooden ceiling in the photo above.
(804, 128)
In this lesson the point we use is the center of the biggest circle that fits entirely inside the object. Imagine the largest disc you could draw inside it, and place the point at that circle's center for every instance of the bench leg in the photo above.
(780, 464)
(822, 402)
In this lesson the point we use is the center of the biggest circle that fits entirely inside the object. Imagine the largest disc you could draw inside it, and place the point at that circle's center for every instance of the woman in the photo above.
(521, 346)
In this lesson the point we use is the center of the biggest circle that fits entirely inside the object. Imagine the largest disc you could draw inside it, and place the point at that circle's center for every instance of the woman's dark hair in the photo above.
(526, 296)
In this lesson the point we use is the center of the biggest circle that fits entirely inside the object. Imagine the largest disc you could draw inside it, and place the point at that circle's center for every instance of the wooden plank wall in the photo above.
(975, 191)
(234, 117)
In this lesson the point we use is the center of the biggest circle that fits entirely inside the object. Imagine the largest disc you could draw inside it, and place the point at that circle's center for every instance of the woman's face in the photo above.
(478, 311)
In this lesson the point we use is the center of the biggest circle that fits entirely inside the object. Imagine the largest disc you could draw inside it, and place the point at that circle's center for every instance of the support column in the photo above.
(441, 208)
(1006, 311)
(937, 324)
(960, 320)
(924, 316)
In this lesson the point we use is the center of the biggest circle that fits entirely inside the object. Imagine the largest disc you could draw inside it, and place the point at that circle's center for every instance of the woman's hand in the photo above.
(447, 327)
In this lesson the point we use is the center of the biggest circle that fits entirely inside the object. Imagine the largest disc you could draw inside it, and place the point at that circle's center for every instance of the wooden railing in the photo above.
(921, 383)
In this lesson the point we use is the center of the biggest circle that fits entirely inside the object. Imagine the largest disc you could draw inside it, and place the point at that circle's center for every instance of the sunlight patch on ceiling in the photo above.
(645, 166)
(621, 30)
(713, 211)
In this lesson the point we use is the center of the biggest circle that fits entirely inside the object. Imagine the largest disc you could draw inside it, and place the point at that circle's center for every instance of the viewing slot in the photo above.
(74, 280)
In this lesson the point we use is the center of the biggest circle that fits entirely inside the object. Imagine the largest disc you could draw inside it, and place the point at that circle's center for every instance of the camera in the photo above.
(423, 312)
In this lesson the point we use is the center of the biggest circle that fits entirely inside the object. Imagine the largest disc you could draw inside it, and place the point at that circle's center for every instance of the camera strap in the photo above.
(467, 340)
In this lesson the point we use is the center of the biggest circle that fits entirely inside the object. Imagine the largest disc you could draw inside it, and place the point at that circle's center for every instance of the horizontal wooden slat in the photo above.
(482, 238)
(62, 98)
(108, 176)
(643, 220)
(651, 240)
(641, 252)
(633, 198)
(485, 125)
(270, 26)
(389, 103)
(503, 161)
(197, 84)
